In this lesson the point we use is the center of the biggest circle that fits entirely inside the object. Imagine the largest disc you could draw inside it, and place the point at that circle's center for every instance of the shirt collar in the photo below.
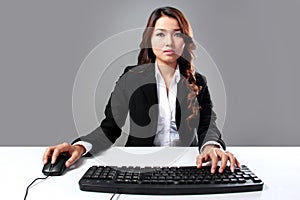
(158, 75)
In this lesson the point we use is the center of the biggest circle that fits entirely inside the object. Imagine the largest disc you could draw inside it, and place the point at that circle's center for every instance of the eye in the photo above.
(178, 34)
(160, 34)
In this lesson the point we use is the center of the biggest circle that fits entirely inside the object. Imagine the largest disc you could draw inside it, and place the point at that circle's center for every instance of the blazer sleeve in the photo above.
(207, 128)
(116, 112)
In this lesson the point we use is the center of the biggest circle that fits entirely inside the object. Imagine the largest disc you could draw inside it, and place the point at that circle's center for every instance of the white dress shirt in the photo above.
(166, 133)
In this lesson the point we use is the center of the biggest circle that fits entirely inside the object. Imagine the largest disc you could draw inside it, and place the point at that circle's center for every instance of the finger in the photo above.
(214, 161)
(232, 161)
(224, 159)
(238, 163)
(47, 154)
(59, 149)
(55, 154)
(199, 161)
(74, 157)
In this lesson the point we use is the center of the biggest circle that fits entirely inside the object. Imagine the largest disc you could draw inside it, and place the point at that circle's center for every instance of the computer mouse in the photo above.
(58, 167)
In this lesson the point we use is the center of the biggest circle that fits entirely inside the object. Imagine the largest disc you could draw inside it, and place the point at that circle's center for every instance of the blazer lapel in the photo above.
(148, 84)
(148, 87)
(181, 101)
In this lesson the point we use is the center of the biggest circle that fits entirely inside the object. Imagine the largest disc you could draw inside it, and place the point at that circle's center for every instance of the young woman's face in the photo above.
(167, 41)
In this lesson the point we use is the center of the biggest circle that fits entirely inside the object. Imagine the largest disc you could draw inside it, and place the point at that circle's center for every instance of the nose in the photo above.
(169, 40)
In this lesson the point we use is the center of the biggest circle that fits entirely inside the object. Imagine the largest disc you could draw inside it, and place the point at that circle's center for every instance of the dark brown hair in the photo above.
(146, 54)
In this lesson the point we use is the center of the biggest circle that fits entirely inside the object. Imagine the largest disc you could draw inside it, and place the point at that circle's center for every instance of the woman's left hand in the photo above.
(214, 153)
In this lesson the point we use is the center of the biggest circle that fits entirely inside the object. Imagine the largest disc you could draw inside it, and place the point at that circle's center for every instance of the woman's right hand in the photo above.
(75, 151)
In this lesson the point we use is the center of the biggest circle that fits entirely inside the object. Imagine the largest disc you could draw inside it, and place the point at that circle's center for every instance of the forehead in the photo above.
(167, 23)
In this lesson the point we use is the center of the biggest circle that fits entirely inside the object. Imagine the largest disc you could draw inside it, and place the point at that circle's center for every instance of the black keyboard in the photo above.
(168, 180)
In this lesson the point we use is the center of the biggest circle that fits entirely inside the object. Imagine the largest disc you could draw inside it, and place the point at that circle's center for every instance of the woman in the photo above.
(165, 98)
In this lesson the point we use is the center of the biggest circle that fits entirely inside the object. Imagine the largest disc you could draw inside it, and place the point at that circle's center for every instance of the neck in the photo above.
(167, 70)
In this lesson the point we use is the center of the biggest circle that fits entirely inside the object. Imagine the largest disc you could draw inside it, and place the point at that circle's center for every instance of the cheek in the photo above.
(180, 47)
(156, 44)
(156, 47)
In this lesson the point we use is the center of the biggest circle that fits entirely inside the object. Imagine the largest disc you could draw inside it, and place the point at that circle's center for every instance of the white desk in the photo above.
(278, 167)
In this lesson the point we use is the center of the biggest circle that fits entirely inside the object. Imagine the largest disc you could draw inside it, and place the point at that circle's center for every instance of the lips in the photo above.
(169, 52)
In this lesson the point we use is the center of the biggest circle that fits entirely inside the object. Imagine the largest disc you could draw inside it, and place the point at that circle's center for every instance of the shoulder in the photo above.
(137, 75)
(200, 79)
(139, 69)
(129, 68)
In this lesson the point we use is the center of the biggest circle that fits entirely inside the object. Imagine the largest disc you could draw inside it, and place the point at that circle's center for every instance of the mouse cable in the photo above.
(45, 179)
(33, 183)
(111, 198)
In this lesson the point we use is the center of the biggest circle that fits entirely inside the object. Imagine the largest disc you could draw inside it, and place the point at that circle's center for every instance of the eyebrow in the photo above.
(161, 29)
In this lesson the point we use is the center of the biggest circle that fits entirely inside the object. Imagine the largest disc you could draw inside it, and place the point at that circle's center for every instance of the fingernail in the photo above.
(67, 164)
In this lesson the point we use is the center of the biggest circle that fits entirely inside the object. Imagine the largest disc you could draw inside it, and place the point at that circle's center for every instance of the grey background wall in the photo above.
(255, 45)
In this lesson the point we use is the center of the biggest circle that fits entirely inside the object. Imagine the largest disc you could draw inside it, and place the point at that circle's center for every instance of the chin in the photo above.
(170, 60)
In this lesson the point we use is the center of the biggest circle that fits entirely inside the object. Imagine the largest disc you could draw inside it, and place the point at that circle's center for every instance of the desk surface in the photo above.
(278, 167)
